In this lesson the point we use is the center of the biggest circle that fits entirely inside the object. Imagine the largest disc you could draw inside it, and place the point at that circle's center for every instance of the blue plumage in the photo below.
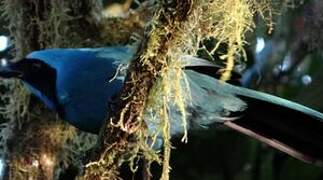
(82, 82)
(78, 84)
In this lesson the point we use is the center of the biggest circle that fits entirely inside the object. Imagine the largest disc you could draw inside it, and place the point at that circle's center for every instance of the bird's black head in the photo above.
(9, 70)
(37, 74)
(25, 69)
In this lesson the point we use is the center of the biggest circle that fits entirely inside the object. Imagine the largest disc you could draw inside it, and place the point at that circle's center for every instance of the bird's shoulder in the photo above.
(77, 57)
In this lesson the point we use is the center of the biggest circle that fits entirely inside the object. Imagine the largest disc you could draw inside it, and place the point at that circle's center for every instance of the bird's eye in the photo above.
(36, 65)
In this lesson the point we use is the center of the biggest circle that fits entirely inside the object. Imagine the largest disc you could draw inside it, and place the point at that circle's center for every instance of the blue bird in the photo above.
(80, 83)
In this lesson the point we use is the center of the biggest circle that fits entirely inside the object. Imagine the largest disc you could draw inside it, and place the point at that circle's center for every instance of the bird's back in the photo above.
(83, 88)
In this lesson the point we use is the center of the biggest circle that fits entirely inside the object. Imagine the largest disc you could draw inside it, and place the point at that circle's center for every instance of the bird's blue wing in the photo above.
(83, 83)
(205, 104)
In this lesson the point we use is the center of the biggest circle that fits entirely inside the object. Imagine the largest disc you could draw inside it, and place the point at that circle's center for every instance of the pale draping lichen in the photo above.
(154, 57)
(43, 145)
(227, 21)
(13, 109)
(46, 24)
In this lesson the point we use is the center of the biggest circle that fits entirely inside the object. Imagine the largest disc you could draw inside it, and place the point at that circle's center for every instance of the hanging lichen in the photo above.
(45, 145)
(177, 28)
(155, 79)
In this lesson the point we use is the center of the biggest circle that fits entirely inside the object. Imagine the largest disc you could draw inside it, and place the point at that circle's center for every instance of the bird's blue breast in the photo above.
(83, 88)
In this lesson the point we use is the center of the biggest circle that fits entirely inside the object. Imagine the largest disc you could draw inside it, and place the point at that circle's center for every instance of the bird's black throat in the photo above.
(40, 76)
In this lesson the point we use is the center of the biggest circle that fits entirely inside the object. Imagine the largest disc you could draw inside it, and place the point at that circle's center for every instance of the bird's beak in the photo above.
(8, 70)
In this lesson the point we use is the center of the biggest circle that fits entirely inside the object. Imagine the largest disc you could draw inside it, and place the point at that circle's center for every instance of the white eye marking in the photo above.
(37, 65)
(4, 62)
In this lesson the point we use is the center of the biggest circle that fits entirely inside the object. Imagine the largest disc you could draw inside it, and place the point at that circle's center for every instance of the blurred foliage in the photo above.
(226, 155)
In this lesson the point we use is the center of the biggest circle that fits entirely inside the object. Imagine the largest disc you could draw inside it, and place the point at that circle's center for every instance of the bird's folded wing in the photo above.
(208, 68)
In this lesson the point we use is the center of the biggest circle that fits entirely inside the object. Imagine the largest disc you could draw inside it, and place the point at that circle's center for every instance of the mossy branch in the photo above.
(125, 129)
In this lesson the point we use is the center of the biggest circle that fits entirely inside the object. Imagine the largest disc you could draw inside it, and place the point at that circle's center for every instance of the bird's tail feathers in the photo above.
(287, 126)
